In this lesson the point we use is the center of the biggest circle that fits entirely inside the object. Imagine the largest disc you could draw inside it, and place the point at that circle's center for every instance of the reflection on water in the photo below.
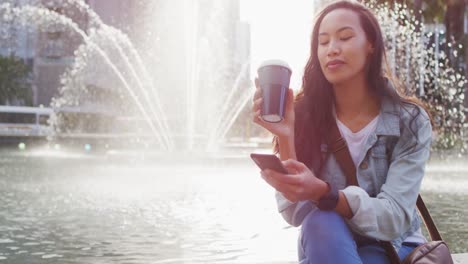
(78, 209)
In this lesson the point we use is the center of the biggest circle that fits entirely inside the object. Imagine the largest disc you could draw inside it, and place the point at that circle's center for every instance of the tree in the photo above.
(14, 81)
(454, 21)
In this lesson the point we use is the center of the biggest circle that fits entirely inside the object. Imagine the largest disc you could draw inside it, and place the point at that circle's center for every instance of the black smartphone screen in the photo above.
(268, 161)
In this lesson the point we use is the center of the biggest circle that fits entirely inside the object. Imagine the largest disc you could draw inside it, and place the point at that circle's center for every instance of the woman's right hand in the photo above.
(283, 129)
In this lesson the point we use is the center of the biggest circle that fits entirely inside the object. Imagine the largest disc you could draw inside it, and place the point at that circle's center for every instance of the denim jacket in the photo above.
(389, 177)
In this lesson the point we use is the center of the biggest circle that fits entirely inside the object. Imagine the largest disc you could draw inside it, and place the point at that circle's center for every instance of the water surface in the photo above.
(69, 208)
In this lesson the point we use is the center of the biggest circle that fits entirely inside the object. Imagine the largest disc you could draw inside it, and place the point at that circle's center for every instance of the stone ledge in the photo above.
(461, 258)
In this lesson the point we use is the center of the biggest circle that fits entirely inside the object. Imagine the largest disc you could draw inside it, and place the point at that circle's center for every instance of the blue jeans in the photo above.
(325, 238)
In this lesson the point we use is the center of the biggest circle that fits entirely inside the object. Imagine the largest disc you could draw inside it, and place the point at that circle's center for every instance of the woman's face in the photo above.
(342, 46)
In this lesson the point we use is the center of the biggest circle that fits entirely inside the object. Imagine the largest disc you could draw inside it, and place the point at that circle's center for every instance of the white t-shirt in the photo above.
(356, 142)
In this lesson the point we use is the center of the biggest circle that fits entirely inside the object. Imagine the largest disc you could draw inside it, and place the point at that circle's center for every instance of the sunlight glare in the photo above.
(280, 29)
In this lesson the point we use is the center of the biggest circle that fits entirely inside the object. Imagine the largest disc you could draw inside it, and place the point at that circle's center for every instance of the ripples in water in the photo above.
(98, 211)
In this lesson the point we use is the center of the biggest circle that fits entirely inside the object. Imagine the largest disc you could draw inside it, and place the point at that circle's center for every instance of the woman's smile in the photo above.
(334, 66)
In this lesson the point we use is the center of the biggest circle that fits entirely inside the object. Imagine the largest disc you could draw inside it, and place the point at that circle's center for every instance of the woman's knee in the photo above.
(326, 227)
(319, 221)
(325, 238)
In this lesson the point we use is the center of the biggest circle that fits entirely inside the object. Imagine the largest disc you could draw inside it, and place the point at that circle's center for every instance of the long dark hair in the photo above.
(314, 102)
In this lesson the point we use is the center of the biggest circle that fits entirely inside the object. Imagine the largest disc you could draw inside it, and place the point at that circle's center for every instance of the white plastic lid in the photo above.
(275, 62)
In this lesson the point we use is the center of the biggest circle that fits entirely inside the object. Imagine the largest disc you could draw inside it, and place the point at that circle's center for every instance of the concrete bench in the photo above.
(461, 258)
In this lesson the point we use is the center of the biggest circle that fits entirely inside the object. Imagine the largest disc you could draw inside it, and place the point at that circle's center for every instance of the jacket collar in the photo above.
(389, 120)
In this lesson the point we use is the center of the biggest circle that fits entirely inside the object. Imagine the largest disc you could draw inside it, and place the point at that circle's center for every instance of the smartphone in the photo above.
(268, 161)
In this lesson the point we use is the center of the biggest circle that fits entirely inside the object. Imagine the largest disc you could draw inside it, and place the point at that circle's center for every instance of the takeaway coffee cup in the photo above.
(273, 79)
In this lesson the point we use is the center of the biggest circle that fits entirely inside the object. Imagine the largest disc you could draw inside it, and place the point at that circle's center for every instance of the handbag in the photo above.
(432, 252)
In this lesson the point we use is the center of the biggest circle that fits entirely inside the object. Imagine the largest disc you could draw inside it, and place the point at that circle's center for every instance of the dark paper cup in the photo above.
(273, 78)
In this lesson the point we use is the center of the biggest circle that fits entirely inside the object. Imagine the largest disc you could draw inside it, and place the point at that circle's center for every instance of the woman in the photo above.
(388, 136)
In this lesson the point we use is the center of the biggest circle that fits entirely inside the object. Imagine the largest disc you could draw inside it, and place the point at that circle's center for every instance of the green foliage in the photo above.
(14, 80)
(434, 11)
(84, 115)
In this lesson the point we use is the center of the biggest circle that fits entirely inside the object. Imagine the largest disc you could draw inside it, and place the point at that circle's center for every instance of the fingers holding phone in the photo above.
(294, 166)
(274, 168)
(292, 178)
(268, 161)
(279, 184)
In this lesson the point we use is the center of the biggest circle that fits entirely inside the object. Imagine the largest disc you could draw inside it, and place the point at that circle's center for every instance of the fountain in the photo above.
(189, 100)
(420, 62)
(195, 90)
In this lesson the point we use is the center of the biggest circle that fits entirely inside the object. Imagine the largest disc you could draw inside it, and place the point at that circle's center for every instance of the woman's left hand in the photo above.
(300, 184)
